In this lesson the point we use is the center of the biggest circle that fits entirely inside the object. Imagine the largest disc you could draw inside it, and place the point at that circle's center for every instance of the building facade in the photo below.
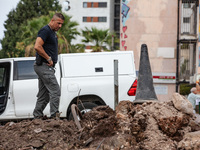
(170, 30)
(102, 14)
(168, 27)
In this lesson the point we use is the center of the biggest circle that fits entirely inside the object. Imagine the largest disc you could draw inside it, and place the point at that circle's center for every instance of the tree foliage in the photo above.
(25, 10)
(100, 38)
(31, 28)
(185, 88)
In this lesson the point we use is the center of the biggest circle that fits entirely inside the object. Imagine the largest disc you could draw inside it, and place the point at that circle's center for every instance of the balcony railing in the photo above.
(189, 18)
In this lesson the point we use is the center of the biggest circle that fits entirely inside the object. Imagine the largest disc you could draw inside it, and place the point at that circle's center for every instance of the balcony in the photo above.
(188, 20)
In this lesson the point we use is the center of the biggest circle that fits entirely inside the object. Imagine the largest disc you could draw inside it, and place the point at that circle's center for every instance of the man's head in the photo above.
(193, 90)
(57, 21)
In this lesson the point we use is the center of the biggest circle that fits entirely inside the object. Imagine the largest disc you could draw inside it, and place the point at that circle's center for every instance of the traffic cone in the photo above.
(145, 89)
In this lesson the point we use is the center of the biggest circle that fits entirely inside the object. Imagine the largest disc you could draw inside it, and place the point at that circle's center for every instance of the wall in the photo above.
(152, 22)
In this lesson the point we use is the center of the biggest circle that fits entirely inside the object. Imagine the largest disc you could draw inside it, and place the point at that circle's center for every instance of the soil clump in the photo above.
(148, 126)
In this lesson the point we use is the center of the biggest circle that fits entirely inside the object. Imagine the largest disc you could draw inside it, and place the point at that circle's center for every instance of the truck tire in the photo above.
(84, 107)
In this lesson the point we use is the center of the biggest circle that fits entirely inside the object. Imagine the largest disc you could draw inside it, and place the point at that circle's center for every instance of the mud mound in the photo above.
(150, 126)
(46, 134)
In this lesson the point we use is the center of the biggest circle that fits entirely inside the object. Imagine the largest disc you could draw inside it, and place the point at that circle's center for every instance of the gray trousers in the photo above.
(49, 90)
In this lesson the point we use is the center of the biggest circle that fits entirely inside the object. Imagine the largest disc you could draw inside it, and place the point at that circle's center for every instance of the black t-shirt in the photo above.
(50, 42)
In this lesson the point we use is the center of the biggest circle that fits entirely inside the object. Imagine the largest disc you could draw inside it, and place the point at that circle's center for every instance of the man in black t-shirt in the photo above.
(46, 47)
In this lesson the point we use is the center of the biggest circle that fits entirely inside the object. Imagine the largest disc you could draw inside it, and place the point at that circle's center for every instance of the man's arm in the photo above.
(198, 88)
(38, 47)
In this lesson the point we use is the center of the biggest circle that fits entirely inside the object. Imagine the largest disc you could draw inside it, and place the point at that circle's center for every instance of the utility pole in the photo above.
(116, 83)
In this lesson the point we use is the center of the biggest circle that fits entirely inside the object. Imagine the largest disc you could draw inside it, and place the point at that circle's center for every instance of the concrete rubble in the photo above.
(149, 126)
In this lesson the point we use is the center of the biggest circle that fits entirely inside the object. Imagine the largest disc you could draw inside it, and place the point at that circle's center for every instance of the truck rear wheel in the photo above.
(84, 107)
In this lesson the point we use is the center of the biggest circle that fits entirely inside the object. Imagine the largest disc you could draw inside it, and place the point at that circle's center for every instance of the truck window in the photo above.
(23, 70)
(2, 79)
(4, 84)
(1, 76)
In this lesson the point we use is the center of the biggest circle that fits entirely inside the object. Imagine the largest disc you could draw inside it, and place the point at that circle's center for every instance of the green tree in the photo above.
(185, 88)
(66, 34)
(99, 38)
(25, 10)
(78, 48)
(31, 28)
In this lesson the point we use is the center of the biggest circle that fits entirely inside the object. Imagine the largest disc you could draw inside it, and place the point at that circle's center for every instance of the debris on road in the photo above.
(148, 126)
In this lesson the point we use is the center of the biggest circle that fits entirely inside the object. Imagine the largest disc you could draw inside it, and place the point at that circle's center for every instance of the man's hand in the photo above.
(50, 63)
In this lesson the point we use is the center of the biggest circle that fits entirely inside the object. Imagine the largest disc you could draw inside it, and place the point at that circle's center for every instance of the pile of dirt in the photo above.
(39, 134)
(148, 126)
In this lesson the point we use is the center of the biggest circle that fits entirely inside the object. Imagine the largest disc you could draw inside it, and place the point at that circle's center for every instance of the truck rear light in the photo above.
(132, 90)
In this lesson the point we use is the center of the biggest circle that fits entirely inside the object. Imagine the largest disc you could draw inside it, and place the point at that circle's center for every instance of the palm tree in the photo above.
(99, 38)
(78, 48)
(65, 34)
(30, 33)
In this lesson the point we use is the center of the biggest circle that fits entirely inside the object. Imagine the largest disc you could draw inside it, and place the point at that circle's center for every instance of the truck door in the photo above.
(25, 88)
(5, 81)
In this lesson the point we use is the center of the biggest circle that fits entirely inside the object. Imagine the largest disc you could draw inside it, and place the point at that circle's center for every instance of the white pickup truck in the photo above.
(85, 76)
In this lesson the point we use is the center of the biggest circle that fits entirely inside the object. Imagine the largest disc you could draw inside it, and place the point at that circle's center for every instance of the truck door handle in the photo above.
(99, 69)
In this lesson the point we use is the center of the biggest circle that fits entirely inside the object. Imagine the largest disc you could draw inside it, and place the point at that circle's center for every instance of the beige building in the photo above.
(170, 30)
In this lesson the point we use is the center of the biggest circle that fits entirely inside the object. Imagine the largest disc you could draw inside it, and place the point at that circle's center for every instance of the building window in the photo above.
(84, 19)
(186, 20)
(189, 17)
(84, 4)
(187, 61)
(117, 24)
(94, 19)
(102, 4)
(186, 5)
(117, 10)
(102, 19)
(94, 4)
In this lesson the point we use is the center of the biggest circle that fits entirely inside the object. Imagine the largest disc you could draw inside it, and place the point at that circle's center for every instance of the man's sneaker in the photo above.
(41, 117)
(55, 116)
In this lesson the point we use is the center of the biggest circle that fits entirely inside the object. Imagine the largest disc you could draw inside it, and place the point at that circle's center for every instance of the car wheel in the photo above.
(83, 108)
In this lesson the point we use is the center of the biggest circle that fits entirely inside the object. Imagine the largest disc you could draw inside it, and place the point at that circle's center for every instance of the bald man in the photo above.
(46, 47)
